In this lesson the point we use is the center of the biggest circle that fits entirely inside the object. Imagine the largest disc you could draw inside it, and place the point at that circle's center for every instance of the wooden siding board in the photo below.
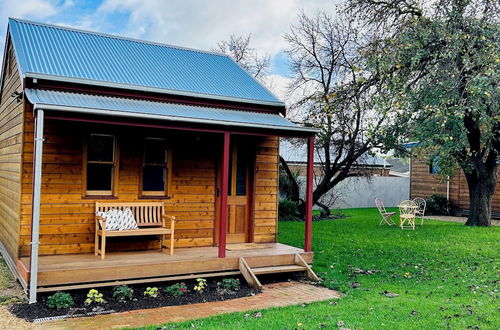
(266, 190)
(11, 125)
(423, 184)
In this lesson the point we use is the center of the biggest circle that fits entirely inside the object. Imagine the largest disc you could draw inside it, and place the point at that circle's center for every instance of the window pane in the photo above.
(154, 152)
(241, 173)
(99, 176)
(101, 148)
(153, 178)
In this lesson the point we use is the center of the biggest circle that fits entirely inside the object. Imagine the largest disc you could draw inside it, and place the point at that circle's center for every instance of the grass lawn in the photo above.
(446, 275)
(10, 291)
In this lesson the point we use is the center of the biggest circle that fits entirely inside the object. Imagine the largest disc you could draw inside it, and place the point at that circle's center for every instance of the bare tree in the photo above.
(238, 47)
(326, 55)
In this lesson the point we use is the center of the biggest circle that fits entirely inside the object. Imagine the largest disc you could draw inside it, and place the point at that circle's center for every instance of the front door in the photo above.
(238, 199)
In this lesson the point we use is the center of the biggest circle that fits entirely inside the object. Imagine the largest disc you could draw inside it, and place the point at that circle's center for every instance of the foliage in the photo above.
(177, 289)
(201, 286)
(451, 285)
(287, 210)
(60, 300)
(94, 296)
(441, 60)
(151, 292)
(123, 292)
(228, 285)
(438, 205)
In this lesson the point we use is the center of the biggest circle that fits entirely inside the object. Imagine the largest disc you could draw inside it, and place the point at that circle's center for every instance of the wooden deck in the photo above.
(85, 270)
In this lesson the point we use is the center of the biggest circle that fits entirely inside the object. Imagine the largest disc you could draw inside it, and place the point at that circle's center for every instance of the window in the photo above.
(155, 172)
(434, 165)
(101, 165)
(238, 171)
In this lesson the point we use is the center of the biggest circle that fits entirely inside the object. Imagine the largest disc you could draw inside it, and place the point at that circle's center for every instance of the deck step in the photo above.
(250, 274)
(278, 269)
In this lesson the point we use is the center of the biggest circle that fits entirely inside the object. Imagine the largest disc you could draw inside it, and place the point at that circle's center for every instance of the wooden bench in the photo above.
(150, 218)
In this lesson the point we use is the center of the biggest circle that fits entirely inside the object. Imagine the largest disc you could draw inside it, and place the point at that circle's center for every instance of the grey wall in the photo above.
(361, 191)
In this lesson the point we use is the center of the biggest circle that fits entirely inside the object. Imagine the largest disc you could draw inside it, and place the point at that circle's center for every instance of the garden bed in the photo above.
(212, 292)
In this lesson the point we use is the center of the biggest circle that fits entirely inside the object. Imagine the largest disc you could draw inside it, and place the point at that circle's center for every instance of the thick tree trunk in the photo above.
(481, 189)
(292, 187)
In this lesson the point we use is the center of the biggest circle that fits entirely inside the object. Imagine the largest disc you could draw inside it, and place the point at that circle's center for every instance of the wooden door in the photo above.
(238, 199)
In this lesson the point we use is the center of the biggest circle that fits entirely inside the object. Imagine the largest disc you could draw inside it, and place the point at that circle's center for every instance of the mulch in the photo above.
(31, 312)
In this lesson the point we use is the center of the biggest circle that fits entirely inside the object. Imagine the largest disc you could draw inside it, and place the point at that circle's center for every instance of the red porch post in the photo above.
(309, 194)
(223, 196)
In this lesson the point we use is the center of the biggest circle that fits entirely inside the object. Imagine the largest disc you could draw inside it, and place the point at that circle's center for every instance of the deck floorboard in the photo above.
(86, 268)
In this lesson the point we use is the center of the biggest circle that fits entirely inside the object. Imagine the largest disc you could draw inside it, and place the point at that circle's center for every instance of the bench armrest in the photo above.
(101, 221)
(167, 218)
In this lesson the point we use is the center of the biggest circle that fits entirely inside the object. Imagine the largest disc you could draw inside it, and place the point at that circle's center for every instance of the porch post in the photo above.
(309, 194)
(35, 220)
(223, 196)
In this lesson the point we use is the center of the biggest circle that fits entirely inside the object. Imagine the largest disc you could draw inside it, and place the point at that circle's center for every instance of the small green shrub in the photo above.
(60, 300)
(438, 205)
(287, 210)
(201, 286)
(177, 289)
(229, 285)
(151, 292)
(94, 296)
(123, 292)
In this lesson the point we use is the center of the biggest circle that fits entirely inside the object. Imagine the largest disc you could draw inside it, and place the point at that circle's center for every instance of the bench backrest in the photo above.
(146, 214)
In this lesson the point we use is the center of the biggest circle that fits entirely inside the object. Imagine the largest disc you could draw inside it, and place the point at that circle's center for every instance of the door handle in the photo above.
(217, 192)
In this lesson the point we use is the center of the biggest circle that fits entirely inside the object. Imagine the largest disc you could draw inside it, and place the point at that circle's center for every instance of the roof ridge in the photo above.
(119, 37)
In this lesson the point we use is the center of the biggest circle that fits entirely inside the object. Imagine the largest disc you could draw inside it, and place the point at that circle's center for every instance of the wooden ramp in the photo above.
(250, 274)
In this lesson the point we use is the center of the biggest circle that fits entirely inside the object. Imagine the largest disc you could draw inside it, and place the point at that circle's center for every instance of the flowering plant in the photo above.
(202, 285)
(177, 289)
(94, 296)
(152, 292)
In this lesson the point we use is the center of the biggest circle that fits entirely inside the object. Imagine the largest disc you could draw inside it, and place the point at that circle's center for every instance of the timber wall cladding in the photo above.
(423, 184)
(266, 190)
(67, 218)
(11, 122)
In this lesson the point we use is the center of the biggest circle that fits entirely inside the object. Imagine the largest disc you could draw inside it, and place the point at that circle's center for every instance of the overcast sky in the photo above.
(189, 23)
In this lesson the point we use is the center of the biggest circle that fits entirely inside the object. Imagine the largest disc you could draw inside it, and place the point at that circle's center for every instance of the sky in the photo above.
(189, 23)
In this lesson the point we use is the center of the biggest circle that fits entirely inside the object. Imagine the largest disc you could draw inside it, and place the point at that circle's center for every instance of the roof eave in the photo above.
(151, 89)
(93, 111)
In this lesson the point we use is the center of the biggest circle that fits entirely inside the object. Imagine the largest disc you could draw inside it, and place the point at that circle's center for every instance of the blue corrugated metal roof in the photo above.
(68, 54)
(65, 101)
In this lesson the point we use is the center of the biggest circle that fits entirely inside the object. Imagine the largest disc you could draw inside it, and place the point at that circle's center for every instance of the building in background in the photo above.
(375, 177)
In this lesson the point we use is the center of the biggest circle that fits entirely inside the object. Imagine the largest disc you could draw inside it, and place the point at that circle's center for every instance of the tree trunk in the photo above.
(481, 189)
(292, 187)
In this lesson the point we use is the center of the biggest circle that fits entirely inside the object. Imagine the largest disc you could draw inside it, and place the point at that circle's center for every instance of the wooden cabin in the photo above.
(90, 118)
(425, 182)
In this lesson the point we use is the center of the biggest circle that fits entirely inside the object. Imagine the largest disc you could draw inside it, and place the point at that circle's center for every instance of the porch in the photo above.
(75, 271)
(219, 180)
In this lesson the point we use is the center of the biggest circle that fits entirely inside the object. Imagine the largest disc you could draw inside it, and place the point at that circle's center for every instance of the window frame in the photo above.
(115, 169)
(434, 168)
(156, 194)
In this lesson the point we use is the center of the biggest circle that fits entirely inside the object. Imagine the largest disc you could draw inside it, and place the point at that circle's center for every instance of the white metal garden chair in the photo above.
(386, 216)
(407, 211)
(420, 212)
